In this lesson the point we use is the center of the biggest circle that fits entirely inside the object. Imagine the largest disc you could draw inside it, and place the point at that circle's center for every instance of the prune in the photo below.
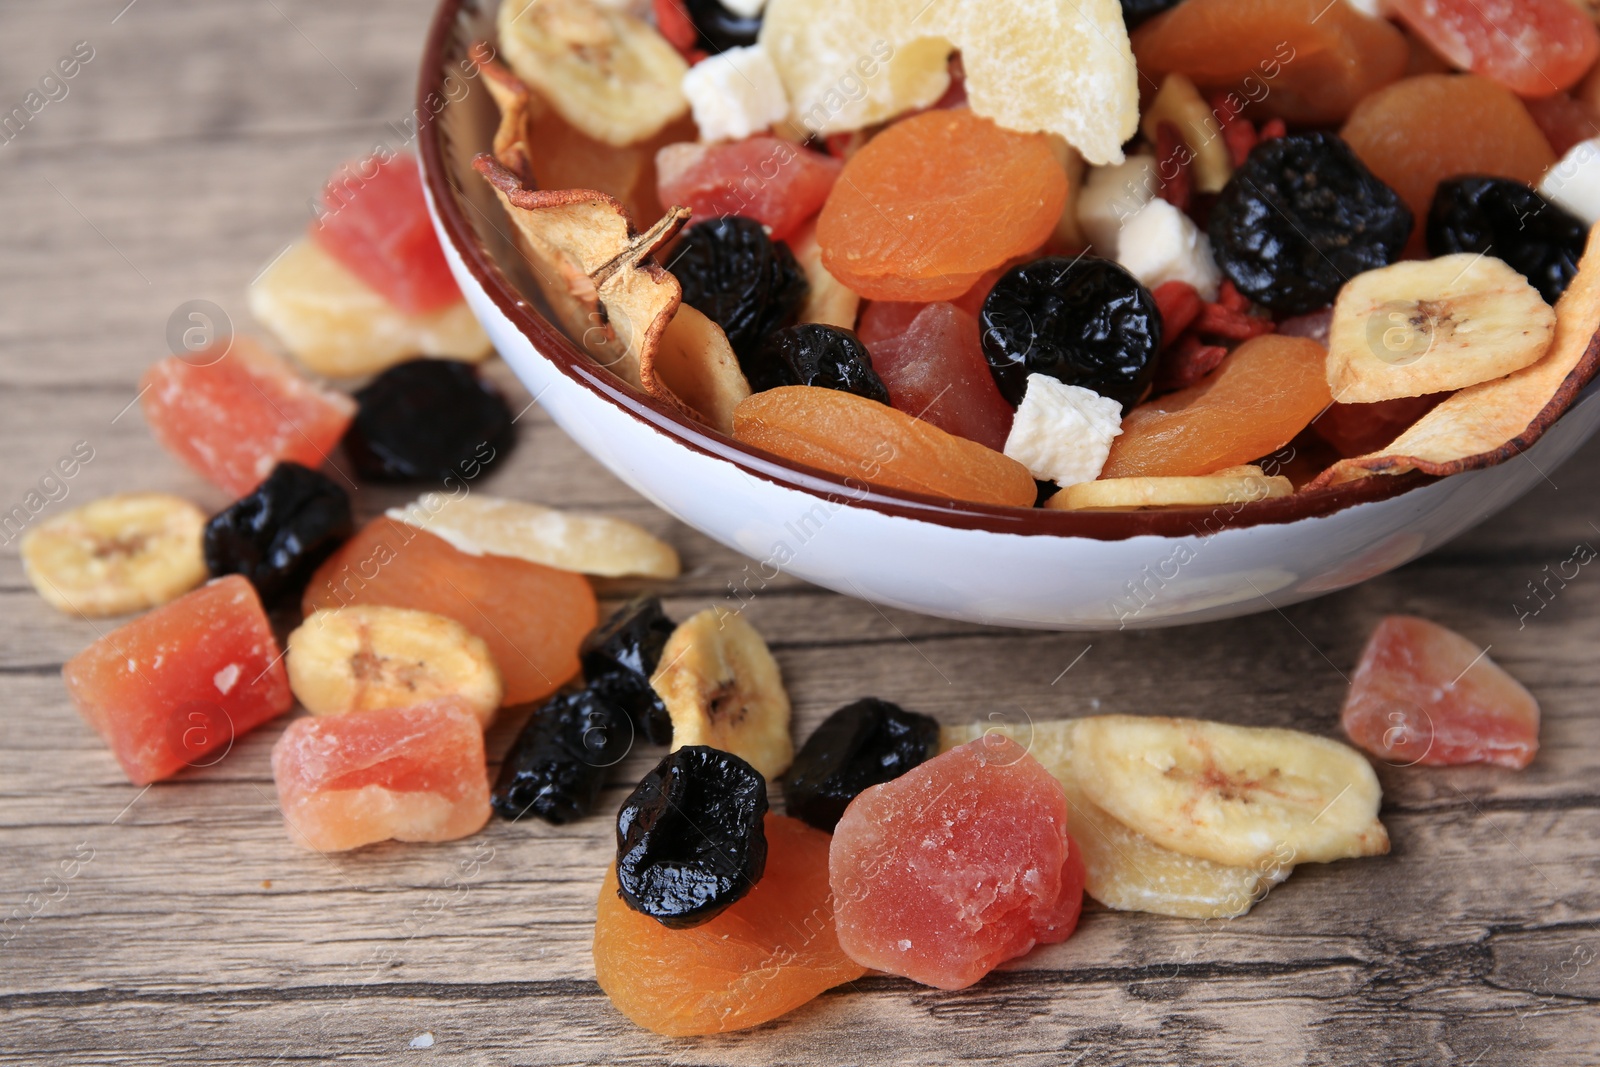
(719, 28)
(863, 744)
(690, 839)
(1136, 11)
(557, 765)
(1083, 320)
(1302, 217)
(814, 354)
(428, 420)
(621, 654)
(740, 278)
(1509, 220)
(280, 532)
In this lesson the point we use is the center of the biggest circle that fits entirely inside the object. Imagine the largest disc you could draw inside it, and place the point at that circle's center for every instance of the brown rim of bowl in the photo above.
(554, 346)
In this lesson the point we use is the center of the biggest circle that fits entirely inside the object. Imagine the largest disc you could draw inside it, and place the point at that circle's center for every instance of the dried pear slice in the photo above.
(116, 555)
(1232, 485)
(694, 367)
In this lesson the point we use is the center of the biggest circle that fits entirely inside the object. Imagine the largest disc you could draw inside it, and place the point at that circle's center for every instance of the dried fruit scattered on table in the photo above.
(721, 687)
(479, 524)
(405, 774)
(696, 369)
(116, 555)
(934, 201)
(1425, 694)
(428, 420)
(1430, 326)
(1085, 321)
(620, 657)
(557, 766)
(175, 687)
(690, 837)
(1266, 391)
(867, 442)
(279, 533)
(1424, 130)
(1356, 429)
(234, 411)
(1235, 795)
(374, 220)
(862, 744)
(826, 357)
(933, 366)
(761, 958)
(337, 325)
(957, 865)
(740, 278)
(1299, 218)
(1123, 869)
(775, 182)
(607, 72)
(533, 618)
(369, 656)
(833, 54)
(1231, 485)
(1532, 47)
(1540, 240)
(1299, 60)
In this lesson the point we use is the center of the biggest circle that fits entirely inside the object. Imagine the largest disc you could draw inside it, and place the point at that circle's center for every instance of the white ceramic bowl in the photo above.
(1009, 566)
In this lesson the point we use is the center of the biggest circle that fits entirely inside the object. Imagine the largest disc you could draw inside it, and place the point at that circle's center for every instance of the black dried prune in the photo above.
(279, 532)
(1136, 11)
(740, 278)
(1510, 221)
(1302, 217)
(1083, 320)
(721, 28)
(690, 838)
(621, 654)
(557, 765)
(428, 420)
(814, 354)
(863, 744)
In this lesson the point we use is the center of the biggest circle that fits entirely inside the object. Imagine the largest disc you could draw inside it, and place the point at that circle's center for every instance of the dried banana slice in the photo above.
(694, 368)
(120, 554)
(588, 544)
(1231, 485)
(607, 72)
(1178, 102)
(1428, 326)
(337, 325)
(1123, 868)
(1235, 795)
(369, 656)
(722, 688)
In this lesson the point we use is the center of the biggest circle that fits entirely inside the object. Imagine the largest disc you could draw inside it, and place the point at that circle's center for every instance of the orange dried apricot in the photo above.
(1265, 392)
(934, 201)
(1298, 60)
(871, 442)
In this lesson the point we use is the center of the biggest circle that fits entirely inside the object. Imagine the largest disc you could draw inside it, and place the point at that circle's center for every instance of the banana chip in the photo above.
(1228, 486)
(116, 555)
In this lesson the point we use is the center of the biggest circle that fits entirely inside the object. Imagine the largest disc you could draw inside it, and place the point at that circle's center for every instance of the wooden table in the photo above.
(192, 930)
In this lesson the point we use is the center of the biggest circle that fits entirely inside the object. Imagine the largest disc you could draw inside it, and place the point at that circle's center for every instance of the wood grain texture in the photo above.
(193, 931)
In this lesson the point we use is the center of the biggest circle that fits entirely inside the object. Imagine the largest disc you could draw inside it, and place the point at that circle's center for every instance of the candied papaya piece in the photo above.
(1264, 393)
(934, 201)
(1302, 61)
(958, 865)
(776, 182)
(406, 774)
(532, 617)
(935, 370)
(174, 686)
(765, 955)
(871, 442)
(1532, 47)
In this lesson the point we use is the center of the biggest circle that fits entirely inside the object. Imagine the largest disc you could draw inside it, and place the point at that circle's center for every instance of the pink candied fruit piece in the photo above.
(374, 220)
(934, 369)
(1533, 47)
(407, 774)
(778, 183)
(233, 416)
(956, 866)
(178, 685)
(1425, 694)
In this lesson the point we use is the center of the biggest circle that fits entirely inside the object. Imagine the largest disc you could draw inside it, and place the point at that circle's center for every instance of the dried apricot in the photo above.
(936, 200)
(871, 442)
(1265, 392)
(1300, 60)
(1552, 43)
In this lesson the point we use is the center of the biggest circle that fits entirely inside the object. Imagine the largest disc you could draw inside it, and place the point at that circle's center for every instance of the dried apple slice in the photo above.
(1231, 485)
(694, 367)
